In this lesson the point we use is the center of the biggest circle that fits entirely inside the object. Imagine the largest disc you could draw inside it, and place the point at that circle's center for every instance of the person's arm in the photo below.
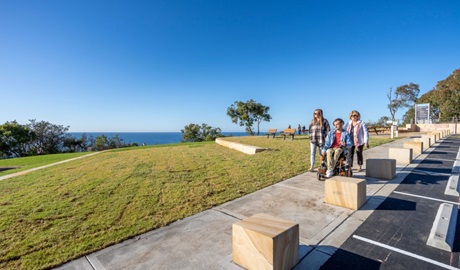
(327, 143)
(347, 139)
(366, 134)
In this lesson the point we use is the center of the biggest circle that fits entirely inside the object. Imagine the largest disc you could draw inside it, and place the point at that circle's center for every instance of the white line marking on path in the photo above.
(424, 197)
(441, 159)
(431, 172)
(413, 255)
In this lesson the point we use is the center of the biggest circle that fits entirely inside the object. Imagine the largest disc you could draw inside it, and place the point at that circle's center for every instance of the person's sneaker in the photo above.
(329, 173)
(311, 169)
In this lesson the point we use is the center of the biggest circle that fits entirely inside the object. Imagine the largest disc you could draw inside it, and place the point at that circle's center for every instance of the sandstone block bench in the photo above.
(247, 149)
(381, 168)
(265, 242)
(402, 156)
(271, 132)
(346, 192)
(432, 137)
(425, 140)
(417, 147)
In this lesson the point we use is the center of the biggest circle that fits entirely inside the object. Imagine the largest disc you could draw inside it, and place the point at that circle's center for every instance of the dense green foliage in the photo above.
(15, 139)
(248, 113)
(35, 138)
(444, 99)
(42, 138)
(197, 133)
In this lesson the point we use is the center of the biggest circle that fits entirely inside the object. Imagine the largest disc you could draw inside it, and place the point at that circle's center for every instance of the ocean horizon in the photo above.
(147, 138)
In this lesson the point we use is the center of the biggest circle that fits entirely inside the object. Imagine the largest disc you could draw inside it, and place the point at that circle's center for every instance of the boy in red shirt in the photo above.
(336, 140)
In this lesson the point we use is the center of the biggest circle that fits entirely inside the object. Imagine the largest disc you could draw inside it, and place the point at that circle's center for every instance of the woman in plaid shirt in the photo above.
(318, 129)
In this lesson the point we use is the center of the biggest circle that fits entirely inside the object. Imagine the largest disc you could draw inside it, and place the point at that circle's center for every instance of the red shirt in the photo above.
(336, 143)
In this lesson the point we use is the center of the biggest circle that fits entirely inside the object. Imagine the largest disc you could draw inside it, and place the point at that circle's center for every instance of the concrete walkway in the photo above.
(11, 175)
(204, 241)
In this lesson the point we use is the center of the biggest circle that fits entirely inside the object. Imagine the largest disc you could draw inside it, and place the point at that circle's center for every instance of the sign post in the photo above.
(422, 113)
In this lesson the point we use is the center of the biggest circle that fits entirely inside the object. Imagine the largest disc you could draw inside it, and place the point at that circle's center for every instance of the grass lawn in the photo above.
(34, 161)
(60, 213)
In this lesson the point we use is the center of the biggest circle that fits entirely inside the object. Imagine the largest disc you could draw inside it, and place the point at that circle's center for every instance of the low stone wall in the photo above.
(247, 149)
(453, 127)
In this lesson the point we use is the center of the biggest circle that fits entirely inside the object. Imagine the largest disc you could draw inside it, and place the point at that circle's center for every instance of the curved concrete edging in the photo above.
(247, 149)
(442, 233)
(44, 166)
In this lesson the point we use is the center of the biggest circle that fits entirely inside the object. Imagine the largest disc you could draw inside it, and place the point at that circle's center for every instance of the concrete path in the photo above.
(11, 175)
(204, 241)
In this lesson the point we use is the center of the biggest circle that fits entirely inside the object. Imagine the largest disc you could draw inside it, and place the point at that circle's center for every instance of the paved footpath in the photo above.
(11, 175)
(327, 233)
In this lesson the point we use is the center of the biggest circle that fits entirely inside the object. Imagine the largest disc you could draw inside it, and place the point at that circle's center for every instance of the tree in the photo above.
(72, 144)
(382, 121)
(409, 116)
(449, 93)
(197, 133)
(432, 97)
(102, 142)
(49, 137)
(247, 113)
(444, 98)
(15, 139)
(404, 97)
(116, 141)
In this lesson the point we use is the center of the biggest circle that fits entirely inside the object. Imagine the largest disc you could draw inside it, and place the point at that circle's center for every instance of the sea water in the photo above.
(147, 138)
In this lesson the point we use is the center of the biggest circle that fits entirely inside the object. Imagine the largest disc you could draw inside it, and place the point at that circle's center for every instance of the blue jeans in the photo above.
(313, 148)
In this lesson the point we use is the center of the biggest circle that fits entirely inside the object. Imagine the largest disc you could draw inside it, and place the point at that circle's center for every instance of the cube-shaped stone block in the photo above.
(425, 140)
(417, 147)
(381, 168)
(265, 242)
(345, 192)
(436, 136)
(402, 155)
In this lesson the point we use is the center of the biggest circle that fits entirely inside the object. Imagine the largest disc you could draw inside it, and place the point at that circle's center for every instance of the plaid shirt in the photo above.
(318, 133)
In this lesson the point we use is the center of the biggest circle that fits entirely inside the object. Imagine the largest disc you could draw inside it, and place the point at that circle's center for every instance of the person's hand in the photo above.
(367, 146)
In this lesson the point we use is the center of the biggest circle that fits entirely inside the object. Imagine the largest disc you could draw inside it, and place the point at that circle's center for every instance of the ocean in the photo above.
(147, 138)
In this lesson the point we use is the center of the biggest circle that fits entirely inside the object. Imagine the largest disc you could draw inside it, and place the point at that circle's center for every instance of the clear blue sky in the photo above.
(160, 65)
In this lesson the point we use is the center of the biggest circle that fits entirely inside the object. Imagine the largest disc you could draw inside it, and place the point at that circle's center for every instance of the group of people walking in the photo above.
(352, 136)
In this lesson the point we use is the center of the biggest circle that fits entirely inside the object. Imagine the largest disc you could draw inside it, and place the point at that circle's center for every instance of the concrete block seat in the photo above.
(265, 242)
(345, 192)
(381, 168)
(425, 140)
(417, 147)
(401, 155)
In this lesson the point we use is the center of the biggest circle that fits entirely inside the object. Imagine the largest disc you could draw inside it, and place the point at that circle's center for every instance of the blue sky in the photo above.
(160, 65)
